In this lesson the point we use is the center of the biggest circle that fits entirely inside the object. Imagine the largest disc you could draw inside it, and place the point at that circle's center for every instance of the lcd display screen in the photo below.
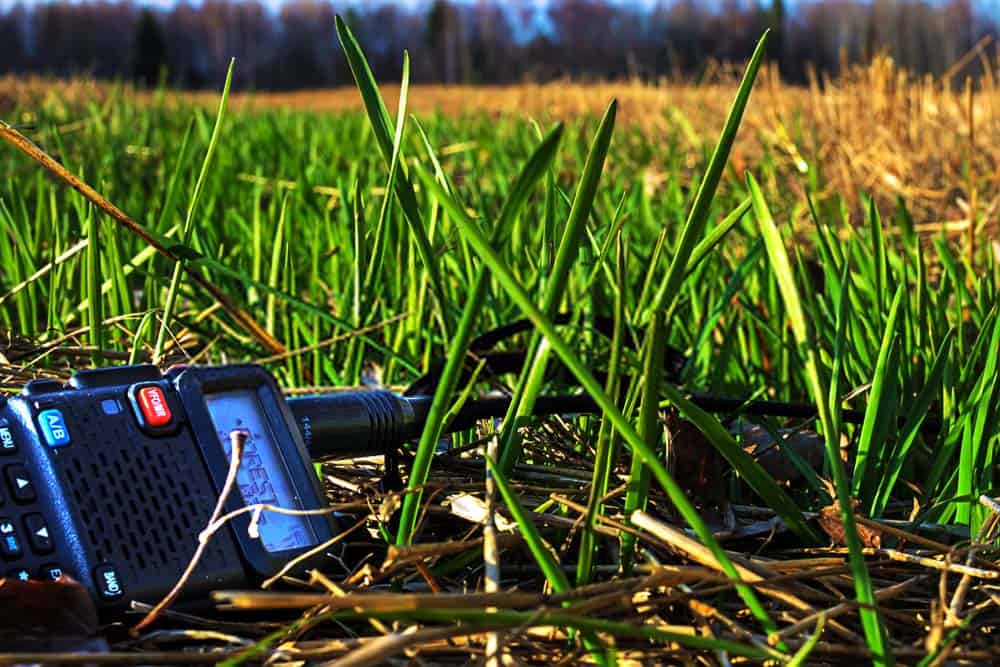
(263, 477)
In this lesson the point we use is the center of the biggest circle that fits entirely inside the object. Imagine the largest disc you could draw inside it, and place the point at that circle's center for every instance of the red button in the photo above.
(153, 403)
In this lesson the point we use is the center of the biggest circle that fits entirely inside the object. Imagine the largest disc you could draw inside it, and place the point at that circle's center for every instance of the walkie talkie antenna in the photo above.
(371, 422)
(356, 423)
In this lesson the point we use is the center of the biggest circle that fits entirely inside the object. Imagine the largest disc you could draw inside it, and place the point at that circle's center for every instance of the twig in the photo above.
(237, 439)
(803, 625)
(381, 602)
(25, 145)
(75, 249)
(934, 564)
(986, 533)
(290, 565)
(901, 534)
(363, 331)
(379, 650)
(420, 552)
(700, 554)
(317, 577)
(491, 555)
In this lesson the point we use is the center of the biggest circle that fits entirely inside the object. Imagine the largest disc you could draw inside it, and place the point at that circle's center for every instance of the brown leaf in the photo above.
(693, 461)
(47, 615)
(829, 521)
(758, 443)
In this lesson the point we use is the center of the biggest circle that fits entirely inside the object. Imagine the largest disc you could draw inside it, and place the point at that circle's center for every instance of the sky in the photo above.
(410, 4)
(987, 6)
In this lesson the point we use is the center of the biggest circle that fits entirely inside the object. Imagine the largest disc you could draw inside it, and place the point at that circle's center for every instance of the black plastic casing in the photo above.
(124, 502)
(357, 423)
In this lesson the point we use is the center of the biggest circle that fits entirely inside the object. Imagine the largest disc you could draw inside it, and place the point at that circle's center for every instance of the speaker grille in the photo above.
(142, 501)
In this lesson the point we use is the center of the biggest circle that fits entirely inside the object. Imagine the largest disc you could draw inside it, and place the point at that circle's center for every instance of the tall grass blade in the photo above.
(911, 429)
(458, 348)
(540, 550)
(749, 469)
(530, 384)
(607, 406)
(781, 267)
(378, 116)
(175, 278)
(604, 457)
(878, 410)
(95, 313)
(694, 226)
(650, 430)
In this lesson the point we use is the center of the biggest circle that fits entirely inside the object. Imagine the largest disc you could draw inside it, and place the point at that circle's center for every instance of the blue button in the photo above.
(7, 444)
(10, 545)
(53, 428)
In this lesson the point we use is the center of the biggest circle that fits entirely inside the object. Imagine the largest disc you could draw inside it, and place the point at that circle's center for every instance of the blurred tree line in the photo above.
(476, 41)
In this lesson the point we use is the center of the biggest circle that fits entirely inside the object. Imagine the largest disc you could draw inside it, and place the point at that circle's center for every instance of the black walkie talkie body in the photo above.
(111, 477)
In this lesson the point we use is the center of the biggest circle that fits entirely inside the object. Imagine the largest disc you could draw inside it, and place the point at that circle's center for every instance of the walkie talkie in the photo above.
(111, 477)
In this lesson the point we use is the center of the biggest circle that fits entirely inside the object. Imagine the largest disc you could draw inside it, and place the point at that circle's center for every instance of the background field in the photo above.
(883, 191)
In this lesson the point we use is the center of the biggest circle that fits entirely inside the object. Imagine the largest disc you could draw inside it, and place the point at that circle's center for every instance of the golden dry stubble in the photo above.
(877, 129)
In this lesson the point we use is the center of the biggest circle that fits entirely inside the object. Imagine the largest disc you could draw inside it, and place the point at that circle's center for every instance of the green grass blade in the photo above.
(607, 406)
(650, 430)
(716, 235)
(135, 351)
(873, 628)
(881, 282)
(274, 274)
(168, 304)
(95, 313)
(917, 413)
(173, 187)
(378, 116)
(752, 473)
(533, 374)
(458, 348)
(694, 226)
(877, 407)
(802, 655)
(604, 457)
(839, 351)
(542, 552)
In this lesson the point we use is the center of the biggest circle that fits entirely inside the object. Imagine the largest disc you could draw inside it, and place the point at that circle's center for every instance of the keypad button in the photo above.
(10, 543)
(153, 406)
(50, 572)
(7, 443)
(20, 574)
(53, 428)
(38, 533)
(107, 582)
(19, 483)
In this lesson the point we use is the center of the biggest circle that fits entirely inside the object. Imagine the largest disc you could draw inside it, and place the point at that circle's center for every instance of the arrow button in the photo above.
(38, 533)
(19, 483)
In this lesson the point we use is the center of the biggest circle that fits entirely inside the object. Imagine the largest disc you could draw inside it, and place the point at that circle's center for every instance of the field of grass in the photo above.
(835, 250)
